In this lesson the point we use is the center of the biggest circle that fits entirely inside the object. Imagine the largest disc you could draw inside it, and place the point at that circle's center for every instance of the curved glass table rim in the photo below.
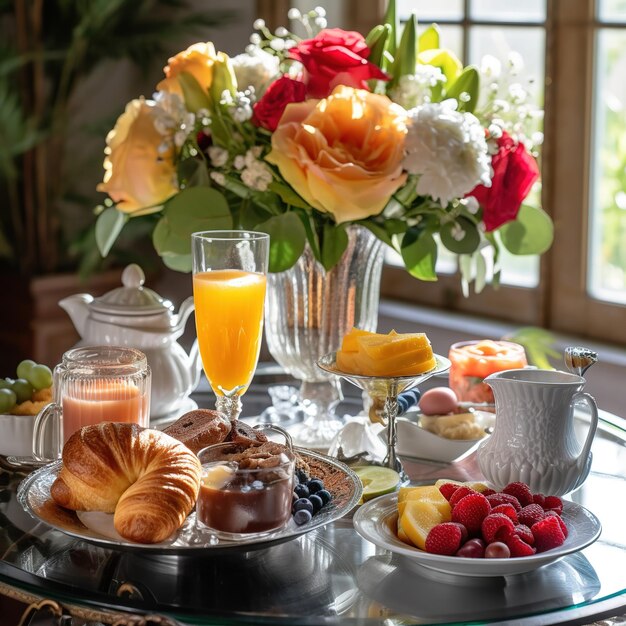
(331, 574)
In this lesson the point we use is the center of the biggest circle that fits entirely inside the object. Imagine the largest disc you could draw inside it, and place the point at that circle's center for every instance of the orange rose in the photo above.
(138, 176)
(197, 60)
(343, 154)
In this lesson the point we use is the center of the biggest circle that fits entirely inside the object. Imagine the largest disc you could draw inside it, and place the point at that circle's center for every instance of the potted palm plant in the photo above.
(48, 50)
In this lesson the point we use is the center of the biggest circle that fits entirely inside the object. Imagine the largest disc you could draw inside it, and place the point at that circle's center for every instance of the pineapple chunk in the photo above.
(427, 493)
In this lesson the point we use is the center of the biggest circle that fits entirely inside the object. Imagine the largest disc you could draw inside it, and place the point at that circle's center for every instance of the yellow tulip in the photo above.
(197, 60)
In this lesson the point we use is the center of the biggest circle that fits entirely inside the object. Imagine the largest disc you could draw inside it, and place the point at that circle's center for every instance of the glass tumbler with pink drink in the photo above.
(93, 385)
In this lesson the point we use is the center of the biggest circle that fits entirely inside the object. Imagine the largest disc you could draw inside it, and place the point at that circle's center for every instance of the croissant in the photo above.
(149, 480)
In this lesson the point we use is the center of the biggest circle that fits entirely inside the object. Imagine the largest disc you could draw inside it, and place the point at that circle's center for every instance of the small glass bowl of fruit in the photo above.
(21, 399)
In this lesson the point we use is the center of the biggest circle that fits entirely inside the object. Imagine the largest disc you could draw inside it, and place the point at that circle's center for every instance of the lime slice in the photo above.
(377, 481)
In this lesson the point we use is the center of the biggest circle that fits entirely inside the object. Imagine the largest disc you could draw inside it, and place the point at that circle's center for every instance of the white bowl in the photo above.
(415, 441)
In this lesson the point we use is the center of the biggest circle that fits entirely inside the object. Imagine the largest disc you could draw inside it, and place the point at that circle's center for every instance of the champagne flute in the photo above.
(229, 282)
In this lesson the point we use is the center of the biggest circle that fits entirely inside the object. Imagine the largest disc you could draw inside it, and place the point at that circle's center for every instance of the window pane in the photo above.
(508, 10)
(612, 10)
(452, 38)
(529, 44)
(427, 10)
(607, 245)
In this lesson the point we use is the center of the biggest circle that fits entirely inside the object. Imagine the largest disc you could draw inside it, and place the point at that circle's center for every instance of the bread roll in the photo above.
(149, 480)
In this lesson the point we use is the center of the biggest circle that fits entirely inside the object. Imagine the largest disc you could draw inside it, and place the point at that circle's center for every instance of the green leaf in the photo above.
(333, 245)
(531, 232)
(406, 57)
(195, 97)
(429, 39)
(178, 262)
(467, 82)
(419, 253)
(167, 243)
(376, 41)
(235, 186)
(197, 208)
(288, 195)
(108, 227)
(391, 44)
(445, 60)
(378, 230)
(287, 240)
(460, 245)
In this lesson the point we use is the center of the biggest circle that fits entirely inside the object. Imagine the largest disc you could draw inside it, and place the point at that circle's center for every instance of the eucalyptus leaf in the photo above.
(465, 244)
(468, 82)
(108, 227)
(333, 245)
(480, 278)
(532, 232)
(178, 262)
(287, 240)
(168, 243)
(197, 208)
(419, 253)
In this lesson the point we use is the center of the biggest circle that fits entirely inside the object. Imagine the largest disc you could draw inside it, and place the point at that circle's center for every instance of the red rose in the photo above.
(514, 173)
(335, 57)
(270, 108)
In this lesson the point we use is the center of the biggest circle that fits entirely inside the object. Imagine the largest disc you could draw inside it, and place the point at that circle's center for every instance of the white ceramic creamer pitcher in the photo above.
(534, 439)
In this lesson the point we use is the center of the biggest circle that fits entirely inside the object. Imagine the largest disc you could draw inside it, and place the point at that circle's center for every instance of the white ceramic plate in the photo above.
(377, 519)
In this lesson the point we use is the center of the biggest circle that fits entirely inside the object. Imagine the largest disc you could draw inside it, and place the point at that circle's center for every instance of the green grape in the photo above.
(24, 368)
(7, 400)
(4, 384)
(40, 377)
(22, 389)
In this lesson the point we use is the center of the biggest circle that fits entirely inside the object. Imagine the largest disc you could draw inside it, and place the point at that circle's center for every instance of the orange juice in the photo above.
(103, 401)
(229, 321)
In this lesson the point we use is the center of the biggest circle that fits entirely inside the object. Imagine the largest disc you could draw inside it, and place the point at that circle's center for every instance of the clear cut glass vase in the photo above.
(308, 311)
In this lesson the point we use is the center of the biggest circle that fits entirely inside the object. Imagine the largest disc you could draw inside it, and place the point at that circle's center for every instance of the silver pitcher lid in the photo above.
(132, 298)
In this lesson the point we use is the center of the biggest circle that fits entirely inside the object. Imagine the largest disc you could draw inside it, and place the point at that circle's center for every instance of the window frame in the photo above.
(560, 301)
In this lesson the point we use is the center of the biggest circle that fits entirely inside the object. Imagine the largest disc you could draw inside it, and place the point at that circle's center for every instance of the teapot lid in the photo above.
(133, 298)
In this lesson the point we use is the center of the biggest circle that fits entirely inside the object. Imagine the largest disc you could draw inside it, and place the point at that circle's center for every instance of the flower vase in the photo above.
(308, 311)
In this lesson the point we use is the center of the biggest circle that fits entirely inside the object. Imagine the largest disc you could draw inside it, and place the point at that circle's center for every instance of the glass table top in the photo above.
(330, 575)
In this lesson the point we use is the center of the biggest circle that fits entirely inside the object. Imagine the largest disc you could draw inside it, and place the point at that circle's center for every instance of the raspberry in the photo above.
(531, 514)
(561, 522)
(547, 533)
(553, 503)
(447, 489)
(507, 509)
(518, 546)
(459, 493)
(504, 498)
(488, 492)
(493, 523)
(444, 538)
(525, 533)
(539, 498)
(521, 491)
(471, 511)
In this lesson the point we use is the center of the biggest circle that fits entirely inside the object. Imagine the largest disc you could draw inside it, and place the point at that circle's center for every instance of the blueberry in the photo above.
(316, 502)
(302, 491)
(302, 517)
(324, 495)
(303, 504)
(315, 485)
(302, 477)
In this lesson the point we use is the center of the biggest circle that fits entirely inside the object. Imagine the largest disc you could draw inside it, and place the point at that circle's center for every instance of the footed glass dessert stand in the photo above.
(387, 389)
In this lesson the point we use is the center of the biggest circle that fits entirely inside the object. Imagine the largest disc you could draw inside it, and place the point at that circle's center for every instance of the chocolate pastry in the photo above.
(199, 429)
(243, 434)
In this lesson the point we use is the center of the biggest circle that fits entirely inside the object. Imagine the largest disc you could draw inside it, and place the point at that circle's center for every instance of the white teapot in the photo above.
(137, 317)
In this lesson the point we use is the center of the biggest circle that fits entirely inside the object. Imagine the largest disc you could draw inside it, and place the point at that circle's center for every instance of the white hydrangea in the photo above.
(415, 89)
(447, 150)
(255, 68)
